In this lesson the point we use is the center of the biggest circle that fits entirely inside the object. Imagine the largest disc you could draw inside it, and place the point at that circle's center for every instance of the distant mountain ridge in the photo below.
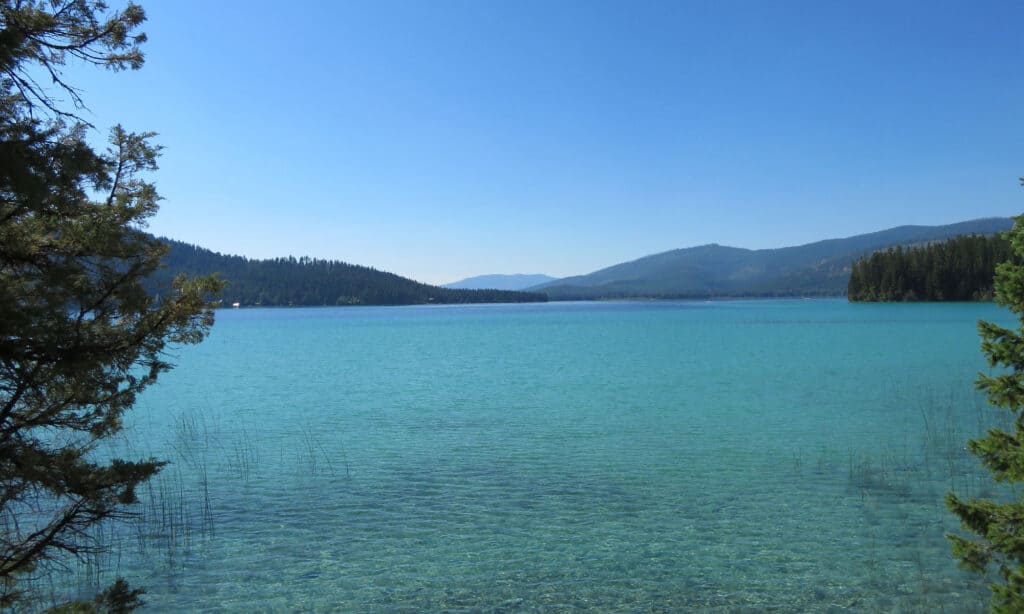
(310, 281)
(501, 282)
(815, 269)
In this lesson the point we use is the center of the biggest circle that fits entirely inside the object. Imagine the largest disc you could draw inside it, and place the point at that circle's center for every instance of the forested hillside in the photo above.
(815, 269)
(960, 269)
(310, 281)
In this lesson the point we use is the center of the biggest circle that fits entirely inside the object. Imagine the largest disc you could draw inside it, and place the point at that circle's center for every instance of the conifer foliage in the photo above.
(999, 526)
(960, 269)
(79, 335)
(313, 282)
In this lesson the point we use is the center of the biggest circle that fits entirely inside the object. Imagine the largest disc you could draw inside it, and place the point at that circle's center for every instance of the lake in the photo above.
(620, 456)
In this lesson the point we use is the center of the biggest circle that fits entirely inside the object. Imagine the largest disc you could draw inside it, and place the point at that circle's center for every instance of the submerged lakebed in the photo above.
(633, 456)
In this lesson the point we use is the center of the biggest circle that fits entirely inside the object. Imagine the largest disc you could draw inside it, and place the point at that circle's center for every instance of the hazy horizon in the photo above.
(541, 273)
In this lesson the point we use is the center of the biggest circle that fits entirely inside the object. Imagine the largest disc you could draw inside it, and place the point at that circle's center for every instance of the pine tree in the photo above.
(1000, 525)
(80, 337)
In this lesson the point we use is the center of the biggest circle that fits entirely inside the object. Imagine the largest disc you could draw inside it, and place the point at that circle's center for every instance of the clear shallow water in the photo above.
(662, 456)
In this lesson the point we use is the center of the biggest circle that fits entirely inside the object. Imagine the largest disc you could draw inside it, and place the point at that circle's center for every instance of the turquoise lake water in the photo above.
(621, 457)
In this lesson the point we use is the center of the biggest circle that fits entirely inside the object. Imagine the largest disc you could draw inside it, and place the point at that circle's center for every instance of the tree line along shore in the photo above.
(959, 269)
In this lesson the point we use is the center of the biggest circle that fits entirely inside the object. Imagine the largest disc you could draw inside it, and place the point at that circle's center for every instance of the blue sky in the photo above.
(440, 139)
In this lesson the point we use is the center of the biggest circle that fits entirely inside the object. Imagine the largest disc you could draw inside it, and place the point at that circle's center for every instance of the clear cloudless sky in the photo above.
(443, 139)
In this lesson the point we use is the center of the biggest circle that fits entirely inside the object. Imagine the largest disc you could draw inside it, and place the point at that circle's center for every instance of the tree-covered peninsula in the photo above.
(313, 282)
(960, 269)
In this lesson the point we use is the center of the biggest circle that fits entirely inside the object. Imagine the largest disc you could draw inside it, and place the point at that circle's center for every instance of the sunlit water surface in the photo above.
(624, 457)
